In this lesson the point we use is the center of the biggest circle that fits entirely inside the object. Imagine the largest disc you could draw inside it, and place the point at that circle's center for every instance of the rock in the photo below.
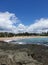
(11, 54)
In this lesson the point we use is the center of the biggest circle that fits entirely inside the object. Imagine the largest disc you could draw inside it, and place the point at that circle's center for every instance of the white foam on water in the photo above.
(20, 42)
(7, 40)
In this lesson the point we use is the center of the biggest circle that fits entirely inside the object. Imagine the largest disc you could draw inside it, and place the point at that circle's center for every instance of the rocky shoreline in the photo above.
(28, 54)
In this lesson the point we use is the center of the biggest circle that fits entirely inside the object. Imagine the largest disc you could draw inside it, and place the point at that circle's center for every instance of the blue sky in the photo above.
(27, 11)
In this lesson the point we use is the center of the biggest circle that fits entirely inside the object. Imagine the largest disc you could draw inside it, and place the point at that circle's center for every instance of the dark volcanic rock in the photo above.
(28, 54)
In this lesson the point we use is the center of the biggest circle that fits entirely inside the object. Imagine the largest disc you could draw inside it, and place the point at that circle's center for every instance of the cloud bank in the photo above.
(7, 21)
(39, 26)
(10, 23)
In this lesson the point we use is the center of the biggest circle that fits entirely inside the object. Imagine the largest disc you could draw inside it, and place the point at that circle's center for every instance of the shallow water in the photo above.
(32, 41)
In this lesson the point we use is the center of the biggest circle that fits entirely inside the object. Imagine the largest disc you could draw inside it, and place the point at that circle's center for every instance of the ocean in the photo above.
(31, 41)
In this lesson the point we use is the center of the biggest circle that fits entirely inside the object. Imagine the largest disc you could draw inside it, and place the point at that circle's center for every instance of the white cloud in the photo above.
(21, 28)
(39, 26)
(7, 21)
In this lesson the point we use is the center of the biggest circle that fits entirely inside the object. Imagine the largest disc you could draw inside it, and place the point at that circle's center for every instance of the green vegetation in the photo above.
(6, 34)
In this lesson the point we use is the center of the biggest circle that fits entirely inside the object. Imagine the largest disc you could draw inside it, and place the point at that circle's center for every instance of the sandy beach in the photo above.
(21, 37)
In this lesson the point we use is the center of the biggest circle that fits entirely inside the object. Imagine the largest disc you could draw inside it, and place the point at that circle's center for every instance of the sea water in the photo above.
(32, 41)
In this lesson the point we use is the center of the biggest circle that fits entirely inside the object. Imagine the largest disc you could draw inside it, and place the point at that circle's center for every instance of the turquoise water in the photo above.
(33, 41)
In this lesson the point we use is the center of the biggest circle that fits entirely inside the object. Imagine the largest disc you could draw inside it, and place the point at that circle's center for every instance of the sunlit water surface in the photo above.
(31, 41)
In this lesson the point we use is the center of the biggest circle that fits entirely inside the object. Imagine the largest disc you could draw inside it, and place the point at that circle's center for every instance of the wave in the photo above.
(39, 41)
(7, 40)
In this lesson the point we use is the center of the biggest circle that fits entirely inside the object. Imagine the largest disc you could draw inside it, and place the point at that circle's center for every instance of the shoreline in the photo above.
(21, 37)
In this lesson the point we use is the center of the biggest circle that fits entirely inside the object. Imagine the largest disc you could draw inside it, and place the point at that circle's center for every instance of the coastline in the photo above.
(20, 37)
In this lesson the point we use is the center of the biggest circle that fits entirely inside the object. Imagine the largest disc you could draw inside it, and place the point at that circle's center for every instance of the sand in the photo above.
(20, 37)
